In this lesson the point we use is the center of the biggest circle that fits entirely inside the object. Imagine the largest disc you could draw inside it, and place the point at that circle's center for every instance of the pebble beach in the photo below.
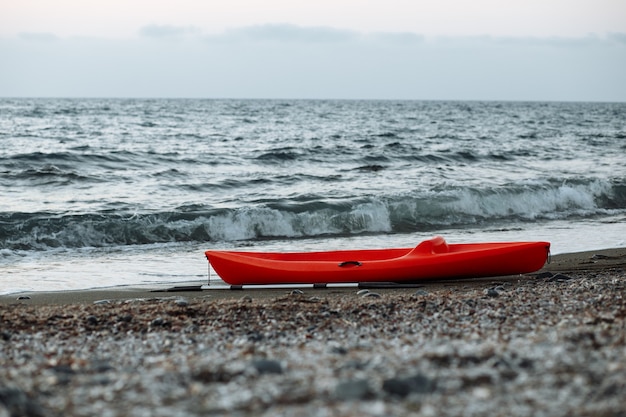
(550, 343)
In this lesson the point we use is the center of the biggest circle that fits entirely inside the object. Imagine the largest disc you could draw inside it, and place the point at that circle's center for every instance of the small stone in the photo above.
(421, 292)
(491, 292)
(559, 278)
(397, 386)
(93, 320)
(255, 336)
(157, 322)
(402, 387)
(372, 294)
(339, 350)
(102, 302)
(101, 365)
(482, 393)
(23, 297)
(267, 366)
(358, 389)
(127, 318)
(6, 336)
(246, 299)
(297, 292)
(182, 302)
(18, 403)
(63, 369)
(362, 292)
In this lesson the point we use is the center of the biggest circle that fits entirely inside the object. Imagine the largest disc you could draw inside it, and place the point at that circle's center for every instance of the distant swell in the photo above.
(426, 211)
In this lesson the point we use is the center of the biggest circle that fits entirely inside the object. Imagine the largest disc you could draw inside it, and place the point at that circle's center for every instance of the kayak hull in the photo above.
(431, 259)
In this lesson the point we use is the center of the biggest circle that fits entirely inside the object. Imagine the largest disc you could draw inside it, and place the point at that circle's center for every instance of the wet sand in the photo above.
(550, 343)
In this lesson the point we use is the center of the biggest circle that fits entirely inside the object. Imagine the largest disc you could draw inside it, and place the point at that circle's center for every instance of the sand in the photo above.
(551, 343)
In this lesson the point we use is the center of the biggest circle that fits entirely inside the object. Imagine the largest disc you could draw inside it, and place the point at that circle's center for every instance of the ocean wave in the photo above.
(313, 216)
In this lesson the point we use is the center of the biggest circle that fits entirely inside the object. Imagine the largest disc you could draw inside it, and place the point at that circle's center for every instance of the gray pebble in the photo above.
(126, 318)
(18, 403)
(339, 350)
(402, 387)
(182, 302)
(421, 292)
(267, 366)
(371, 294)
(157, 322)
(559, 278)
(101, 365)
(93, 320)
(102, 302)
(297, 292)
(358, 389)
(491, 292)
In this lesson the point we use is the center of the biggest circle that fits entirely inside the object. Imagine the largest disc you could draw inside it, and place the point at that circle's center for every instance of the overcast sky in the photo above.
(572, 50)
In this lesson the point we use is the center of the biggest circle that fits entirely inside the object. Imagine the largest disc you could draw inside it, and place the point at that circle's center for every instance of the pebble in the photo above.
(559, 278)
(421, 292)
(182, 302)
(402, 387)
(102, 302)
(339, 350)
(372, 295)
(267, 366)
(23, 297)
(157, 322)
(358, 389)
(491, 292)
(17, 403)
(127, 318)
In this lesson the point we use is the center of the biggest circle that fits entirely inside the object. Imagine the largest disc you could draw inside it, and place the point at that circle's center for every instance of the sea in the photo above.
(131, 192)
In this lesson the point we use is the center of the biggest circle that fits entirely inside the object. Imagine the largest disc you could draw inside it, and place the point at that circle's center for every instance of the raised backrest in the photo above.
(431, 246)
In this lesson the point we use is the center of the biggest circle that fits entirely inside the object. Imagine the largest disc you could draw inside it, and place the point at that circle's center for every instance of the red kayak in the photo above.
(431, 259)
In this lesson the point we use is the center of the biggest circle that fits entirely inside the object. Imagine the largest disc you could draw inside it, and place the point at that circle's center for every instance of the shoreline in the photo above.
(561, 263)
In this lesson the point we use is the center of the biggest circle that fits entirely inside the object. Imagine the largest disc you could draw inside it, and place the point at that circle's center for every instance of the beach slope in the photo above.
(551, 343)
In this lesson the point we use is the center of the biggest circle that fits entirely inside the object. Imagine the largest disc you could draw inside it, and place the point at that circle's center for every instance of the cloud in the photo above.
(556, 42)
(398, 38)
(293, 34)
(38, 36)
(287, 33)
(167, 31)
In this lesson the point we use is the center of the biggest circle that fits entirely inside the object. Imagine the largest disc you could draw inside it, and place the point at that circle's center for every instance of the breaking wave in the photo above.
(425, 211)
